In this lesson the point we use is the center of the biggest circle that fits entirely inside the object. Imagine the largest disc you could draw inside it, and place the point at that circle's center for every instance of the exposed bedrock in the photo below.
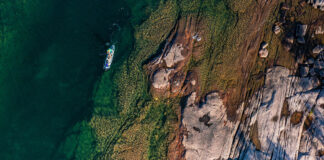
(174, 55)
(161, 78)
(270, 126)
(317, 4)
(167, 70)
(209, 133)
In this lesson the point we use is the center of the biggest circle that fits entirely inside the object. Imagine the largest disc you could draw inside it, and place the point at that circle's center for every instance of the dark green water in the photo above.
(50, 64)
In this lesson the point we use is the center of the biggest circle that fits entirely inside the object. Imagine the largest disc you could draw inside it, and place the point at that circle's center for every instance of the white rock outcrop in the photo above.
(161, 78)
(272, 127)
(318, 49)
(312, 141)
(318, 4)
(319, 30)
(174, 55)
(263, 52)
(276, 29)
(278, 137)
(209, 132)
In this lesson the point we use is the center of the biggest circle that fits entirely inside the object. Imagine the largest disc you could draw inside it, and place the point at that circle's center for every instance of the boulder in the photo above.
(174, 55)
(276, 29)
(310, 61)
(263, 53)
(318, 65)
(318, 49)
(321, 73)
(285, 6)
(287, 46)
(312, 72)
(301, 40)
(307, 84)
(193, 82)
(289, 39)
(318, 4)
(303, 71)
(264, 45)
(301, 30)
(320, 99)
(161, 79)
(300, 33)
(319, 30)
(321, 56)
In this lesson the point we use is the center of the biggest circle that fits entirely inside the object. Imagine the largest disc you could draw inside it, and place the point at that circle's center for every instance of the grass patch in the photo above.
(296, 118)
(254, 136)
(285, 110)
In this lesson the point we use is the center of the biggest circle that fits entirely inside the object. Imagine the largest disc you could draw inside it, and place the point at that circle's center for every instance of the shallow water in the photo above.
(49, 65)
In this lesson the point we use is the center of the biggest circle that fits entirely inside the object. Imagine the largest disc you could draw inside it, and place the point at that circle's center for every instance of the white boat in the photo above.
(109, 57)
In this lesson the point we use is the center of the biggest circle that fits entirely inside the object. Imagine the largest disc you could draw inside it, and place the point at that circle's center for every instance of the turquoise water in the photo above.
(49, 65)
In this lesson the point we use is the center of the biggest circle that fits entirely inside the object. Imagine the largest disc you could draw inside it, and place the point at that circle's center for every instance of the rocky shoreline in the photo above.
(282, 120)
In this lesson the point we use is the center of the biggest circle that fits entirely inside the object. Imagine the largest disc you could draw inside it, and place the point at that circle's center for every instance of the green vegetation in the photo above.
(122, 93)
(115, 130)
(48, 65)
(127, 122)
(162, 116)
(81, 132)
